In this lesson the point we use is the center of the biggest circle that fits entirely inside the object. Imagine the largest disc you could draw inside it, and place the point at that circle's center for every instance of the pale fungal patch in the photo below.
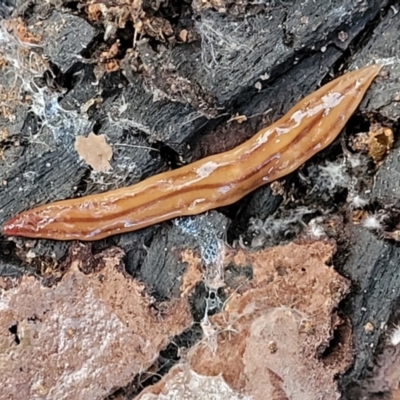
(358, 202)
(276, 225)
(207, 169)
(372, 222)
(387, 61)
(334, 174)
(316, 230)
(395, 336)
(355, 160)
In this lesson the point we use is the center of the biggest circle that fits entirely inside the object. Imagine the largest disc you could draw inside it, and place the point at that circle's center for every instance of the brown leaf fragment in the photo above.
(193, 274)
(25, 36)
(395, 235)
(201, 5)
(238, 118)
(95, 151)
(183, 35)
(157, 27)
(94, 12)
(377, 142)
(380, 141)
(358, 216)
(111, 52)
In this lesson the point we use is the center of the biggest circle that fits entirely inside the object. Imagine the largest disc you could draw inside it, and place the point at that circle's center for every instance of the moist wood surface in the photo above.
(256, 61)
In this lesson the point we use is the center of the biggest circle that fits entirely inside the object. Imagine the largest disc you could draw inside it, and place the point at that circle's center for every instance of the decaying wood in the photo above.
(178, 96)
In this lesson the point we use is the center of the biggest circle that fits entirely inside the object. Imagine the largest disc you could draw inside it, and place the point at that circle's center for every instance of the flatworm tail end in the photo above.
(9, 227)
(26, 224)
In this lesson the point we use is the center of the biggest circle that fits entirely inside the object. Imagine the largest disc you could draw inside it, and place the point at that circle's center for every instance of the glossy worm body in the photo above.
(212, 182)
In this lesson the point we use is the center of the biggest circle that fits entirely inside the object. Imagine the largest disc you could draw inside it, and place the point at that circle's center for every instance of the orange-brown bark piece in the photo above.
(269, 341)
(82, 338)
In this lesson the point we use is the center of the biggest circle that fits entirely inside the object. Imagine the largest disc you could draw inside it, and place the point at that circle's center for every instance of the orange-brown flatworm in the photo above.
(215, 181)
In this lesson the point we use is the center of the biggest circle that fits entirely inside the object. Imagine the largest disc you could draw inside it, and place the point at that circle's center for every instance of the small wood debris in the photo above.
(380, 141)
(95, 151)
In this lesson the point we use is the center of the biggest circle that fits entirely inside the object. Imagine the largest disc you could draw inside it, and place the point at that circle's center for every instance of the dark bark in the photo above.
(175, 109)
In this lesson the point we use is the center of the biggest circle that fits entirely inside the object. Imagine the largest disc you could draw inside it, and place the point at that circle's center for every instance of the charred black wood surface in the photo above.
(172, 101)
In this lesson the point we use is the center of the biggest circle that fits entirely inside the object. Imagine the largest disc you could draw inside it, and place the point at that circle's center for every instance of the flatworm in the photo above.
(215, 181)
